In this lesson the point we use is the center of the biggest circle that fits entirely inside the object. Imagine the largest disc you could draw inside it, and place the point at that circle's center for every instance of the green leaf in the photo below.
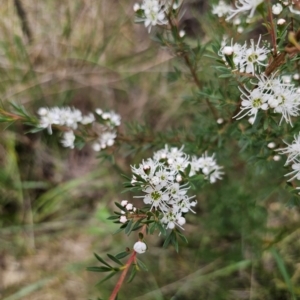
(141, 264)
(99, 269)
(283, 271)
(120, 206)
(115, 259)
(132, 274)
(168, 239)
(113, 218)
(128, 227)
(107, 277)
(225, 75)
(183, 237)
(161, 228)
(122, 254)
(102, 260)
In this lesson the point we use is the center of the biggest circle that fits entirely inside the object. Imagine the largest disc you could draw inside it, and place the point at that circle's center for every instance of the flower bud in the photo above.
(124, 202)
(227, 50)
(136, 7)
(271, 145)
(277, 9)
(281, 21)
(129, 206)
(123, 219)
(140, 247)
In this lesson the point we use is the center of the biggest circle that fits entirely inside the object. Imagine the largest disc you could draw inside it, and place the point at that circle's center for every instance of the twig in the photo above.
(131, 259)
(190, 66)
(23, 17)
(122, 277)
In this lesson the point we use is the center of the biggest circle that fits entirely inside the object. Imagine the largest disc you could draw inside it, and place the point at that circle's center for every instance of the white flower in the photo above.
(172, 218)
(156, 197)
(48, 118)
(111, 117)
(252, 101)
(177, 192)
(292, 150)
(295, 172)
(140, 247)
(164, 176)
(209, 167)
(68, 139)
(277, 9)
(99, 111)
(154, 13)
(90, 118)
(243, 6)
(255, 55)
(293, 10)
(276, 157)
(222, 9)
(106, 139)
(288, 104)
(146, 169)
(245, 59)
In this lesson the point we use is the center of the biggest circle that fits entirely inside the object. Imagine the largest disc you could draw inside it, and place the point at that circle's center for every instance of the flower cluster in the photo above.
(243, 58)
(293, 152)
(101, 127)
(153, 12)
(164, 180)
(270, 93)
(129, 208)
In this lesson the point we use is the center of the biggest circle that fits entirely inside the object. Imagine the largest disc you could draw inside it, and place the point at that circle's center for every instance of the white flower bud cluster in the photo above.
(104, 123)
(161, 179)
(130, 209)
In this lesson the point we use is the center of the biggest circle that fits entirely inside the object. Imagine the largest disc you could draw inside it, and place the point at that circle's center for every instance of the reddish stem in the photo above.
(122, 277)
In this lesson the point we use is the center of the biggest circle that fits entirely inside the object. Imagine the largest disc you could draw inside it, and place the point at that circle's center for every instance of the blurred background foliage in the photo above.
(244, 240)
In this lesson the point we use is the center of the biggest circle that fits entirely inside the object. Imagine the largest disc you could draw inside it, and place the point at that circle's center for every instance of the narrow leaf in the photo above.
(141, 264)
(115, 259)
(99, 269)
(122, 254)
(102, 260)
(106, 278)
